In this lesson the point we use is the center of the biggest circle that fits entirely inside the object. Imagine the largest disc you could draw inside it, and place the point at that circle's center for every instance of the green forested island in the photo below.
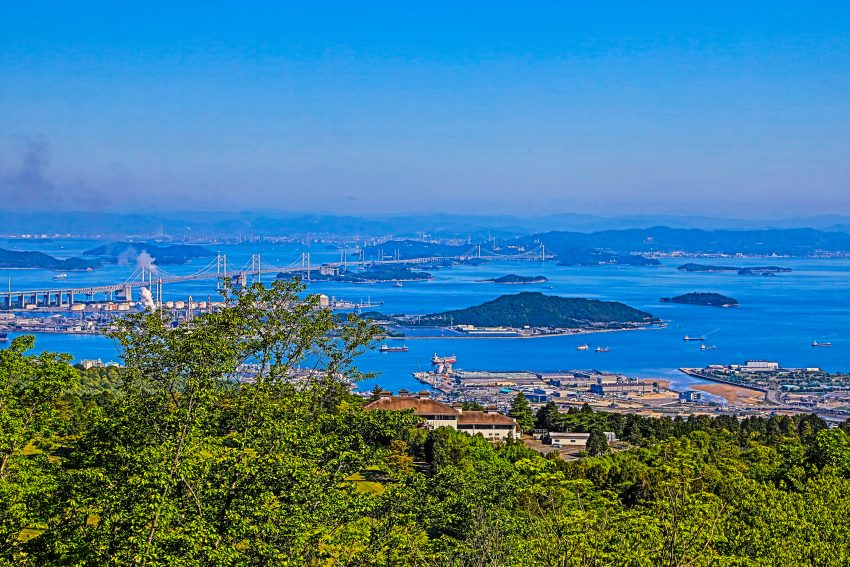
(702, 298)
(747, 271)
(42, 261)
(175, 460)
(512, 279)
(127, 252)
(538, 310)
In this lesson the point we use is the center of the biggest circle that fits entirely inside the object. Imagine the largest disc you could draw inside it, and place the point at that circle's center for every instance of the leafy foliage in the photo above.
(180, 459)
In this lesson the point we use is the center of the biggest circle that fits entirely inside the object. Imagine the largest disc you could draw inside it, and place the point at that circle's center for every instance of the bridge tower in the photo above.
(220, 268)
(256, 267)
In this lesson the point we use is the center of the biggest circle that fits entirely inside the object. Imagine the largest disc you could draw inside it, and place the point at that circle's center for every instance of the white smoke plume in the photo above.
(147, 299)
(145, 260)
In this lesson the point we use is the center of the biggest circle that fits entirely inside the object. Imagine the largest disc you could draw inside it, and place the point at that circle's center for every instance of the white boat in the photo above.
(585, 346)
(603, 349)
(398, 284)
(687, 338)
(60, 276)
(823, 344)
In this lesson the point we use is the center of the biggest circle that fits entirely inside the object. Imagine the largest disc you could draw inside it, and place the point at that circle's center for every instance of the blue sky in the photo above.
(730, 108)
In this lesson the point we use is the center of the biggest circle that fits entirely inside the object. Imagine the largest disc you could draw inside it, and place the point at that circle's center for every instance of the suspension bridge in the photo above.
(154, 277)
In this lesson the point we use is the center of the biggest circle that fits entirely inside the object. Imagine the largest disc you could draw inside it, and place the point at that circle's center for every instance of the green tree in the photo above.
(547, 417)
(34, 418)
(597, 443)
(521, 411)
(192, 463)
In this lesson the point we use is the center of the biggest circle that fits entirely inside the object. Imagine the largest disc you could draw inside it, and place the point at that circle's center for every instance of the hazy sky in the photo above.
(524, 107)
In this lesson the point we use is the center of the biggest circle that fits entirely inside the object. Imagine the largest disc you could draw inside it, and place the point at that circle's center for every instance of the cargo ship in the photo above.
(687, 338)
(443, 359)
(824, 344)
(603, 349)
(387, 348)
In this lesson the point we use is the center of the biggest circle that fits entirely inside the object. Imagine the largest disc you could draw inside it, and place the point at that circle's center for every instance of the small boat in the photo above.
(585, 346)
(398, 284)
(824, 344)
(443, 359)
(687, 338)
(603, 349)
(704, 347)
(60, 276)
(387, 348)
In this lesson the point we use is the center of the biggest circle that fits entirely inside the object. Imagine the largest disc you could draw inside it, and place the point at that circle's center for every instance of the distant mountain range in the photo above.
(189, 225)
(662, 239)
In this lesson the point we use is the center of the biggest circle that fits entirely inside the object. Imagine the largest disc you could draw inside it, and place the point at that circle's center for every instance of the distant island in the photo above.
(535, 309)
(128, 252)
(373, 274)
(699, 298)
(513, 279)
(40, 260)
(748, 271)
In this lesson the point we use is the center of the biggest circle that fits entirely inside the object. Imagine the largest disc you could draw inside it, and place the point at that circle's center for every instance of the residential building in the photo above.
(489, 423)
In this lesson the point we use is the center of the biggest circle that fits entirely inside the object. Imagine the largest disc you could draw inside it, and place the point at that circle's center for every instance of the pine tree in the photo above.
(597, 443)
(522, 413)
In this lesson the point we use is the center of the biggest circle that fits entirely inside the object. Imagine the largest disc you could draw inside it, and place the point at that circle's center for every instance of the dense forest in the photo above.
(175, 460)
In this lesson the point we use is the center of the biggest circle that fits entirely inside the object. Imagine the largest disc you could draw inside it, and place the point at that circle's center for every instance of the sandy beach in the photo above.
(732, 394)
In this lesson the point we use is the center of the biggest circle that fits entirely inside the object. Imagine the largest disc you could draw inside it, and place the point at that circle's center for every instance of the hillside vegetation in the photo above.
(173, 461)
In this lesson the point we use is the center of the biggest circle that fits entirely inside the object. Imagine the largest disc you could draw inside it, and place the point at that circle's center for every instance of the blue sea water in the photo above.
(778, 317)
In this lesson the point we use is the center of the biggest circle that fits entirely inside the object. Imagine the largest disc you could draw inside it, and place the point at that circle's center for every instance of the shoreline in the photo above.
(538, 336)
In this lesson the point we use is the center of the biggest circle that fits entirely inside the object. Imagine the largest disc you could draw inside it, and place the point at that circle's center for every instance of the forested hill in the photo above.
(40, 260)
(539, 310)
(117, 252)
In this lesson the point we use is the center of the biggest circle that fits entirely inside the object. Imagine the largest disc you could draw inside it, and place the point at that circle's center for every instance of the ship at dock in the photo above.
(451, 359)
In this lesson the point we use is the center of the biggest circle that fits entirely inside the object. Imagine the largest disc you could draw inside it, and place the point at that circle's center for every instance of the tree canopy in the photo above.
(237, 441)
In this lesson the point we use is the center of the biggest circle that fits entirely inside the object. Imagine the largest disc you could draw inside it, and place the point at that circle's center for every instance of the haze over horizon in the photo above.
(718, 110)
